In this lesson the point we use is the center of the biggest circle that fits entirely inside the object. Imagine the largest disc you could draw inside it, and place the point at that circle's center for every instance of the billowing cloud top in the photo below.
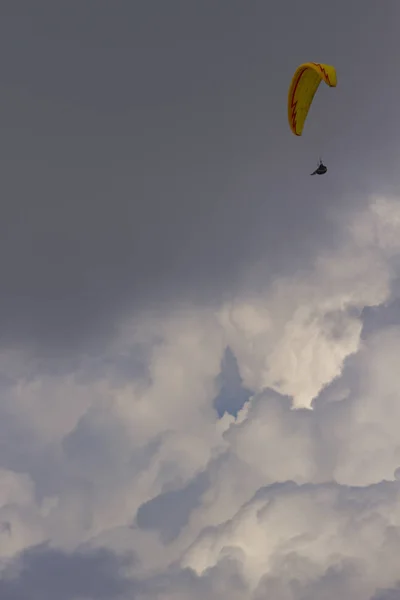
(137, 465)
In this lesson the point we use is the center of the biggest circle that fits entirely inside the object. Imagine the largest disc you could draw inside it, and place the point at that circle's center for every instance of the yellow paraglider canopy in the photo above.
(304, 84)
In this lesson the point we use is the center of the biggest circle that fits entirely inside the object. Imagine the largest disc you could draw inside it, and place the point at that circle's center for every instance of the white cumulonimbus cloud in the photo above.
(273, 502)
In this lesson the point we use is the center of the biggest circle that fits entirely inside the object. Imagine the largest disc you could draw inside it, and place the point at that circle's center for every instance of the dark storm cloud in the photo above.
(145, 154)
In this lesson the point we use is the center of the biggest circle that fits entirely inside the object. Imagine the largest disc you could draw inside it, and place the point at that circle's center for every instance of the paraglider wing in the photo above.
(304, 84)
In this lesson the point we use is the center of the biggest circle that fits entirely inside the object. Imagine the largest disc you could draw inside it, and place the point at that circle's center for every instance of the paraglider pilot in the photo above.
(321, 169)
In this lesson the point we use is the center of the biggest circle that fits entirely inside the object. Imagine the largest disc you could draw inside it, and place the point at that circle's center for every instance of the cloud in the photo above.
(123, 192)
(293, 493)
(299, 533)
(41, 572)
(296, 337)
(198, 359)
(169, 512)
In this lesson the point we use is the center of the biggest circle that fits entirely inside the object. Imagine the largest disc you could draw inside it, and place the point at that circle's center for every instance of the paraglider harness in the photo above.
(321, 169)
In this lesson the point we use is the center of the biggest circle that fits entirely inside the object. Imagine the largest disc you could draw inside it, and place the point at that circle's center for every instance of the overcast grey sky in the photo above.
(187, 283)
(146, 156)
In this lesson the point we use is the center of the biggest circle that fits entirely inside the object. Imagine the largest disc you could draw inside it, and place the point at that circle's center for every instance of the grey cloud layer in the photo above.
(146, 157)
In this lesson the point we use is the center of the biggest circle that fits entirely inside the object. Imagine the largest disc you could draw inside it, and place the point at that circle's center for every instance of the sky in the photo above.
(198, 350)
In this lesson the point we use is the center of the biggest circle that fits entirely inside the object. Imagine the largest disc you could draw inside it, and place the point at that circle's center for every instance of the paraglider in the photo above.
(320, 170)
(305, 83)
